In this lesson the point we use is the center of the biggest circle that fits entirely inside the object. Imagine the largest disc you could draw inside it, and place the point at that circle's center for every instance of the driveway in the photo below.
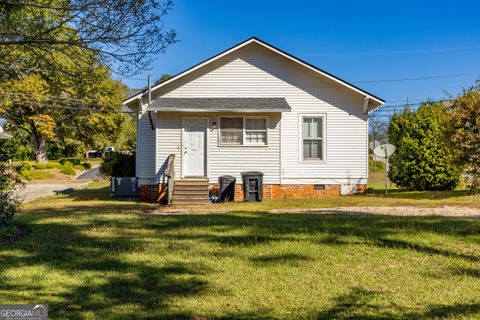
(93, 173)
(33, 191)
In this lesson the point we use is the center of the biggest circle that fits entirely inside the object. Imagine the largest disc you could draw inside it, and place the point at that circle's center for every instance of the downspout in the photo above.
(150, 101)
(366, 101)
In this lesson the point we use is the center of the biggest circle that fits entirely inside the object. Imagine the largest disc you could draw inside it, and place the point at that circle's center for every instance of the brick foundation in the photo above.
(157, 193)
(277, 191)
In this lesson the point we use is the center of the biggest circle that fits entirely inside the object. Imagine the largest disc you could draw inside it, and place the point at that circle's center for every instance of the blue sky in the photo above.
(333, 35)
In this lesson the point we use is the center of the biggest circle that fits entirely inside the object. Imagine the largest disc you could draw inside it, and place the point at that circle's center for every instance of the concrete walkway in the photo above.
(33, 191)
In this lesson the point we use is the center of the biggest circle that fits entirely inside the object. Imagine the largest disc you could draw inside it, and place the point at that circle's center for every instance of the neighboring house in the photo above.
(255, 107)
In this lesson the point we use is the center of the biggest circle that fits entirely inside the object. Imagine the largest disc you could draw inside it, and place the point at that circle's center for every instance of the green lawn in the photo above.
(90, 258)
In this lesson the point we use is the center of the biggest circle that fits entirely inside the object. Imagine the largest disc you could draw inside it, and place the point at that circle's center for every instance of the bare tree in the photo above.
(121, 34)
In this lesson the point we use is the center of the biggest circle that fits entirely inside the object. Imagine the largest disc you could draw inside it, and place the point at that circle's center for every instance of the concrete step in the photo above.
(189, 202)
(192, 182)
(190, 187)
(191, 193)
(190, 197)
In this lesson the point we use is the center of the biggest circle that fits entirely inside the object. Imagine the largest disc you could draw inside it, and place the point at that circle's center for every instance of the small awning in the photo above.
(220, 105)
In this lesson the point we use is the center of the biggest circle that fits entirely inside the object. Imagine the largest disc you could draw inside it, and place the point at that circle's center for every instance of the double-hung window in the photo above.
(256, 131)
(231, 131)
(312, 137)
(249, 131)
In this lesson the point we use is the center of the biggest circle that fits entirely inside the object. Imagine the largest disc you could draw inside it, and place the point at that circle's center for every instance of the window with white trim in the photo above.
(231, 131)
(243, 131)
(312, 137)
(256, 131)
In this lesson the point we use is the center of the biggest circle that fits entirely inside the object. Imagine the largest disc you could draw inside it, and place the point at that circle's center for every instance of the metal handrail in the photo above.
(170, 174)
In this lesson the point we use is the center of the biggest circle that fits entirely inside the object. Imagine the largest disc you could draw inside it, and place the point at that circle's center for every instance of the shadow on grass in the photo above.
(470, 272)
(358, 305)
(96, 239)
(424, 249)
(100, 193)
(286, 258)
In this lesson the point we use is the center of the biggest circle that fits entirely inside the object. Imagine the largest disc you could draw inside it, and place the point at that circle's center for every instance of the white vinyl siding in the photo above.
(222, 160)
(254, 71)
(145, 164)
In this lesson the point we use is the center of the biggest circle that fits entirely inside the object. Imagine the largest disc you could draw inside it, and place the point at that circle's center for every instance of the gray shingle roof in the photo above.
(133, 92)
(221, 104)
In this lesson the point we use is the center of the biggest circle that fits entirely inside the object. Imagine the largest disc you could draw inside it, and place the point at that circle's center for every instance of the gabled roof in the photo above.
(272, 48)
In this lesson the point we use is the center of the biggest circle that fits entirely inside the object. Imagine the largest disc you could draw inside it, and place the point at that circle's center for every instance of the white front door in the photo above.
(194, 147)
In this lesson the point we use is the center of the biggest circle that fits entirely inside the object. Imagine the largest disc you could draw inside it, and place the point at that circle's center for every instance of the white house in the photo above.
(254, 107)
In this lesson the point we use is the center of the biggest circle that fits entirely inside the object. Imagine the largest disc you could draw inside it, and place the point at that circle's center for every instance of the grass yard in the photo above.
(90, 258)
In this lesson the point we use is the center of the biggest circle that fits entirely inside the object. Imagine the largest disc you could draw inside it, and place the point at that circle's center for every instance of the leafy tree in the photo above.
(124, 35)
(39, 110)
(118, 165)
(378, 130)
(424, 160)
(466, 132)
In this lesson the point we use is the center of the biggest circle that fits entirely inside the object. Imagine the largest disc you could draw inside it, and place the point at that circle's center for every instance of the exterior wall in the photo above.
(145, 161)
(221, 160)
(254, 71)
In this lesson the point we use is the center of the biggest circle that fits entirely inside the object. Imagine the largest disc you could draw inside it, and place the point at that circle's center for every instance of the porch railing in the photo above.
(170, 174)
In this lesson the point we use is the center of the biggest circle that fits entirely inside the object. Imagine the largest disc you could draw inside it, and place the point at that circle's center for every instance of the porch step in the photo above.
(190, 192)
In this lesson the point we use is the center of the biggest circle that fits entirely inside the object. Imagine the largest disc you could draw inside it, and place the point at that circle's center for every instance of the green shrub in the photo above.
(9, 179)
(68, 170)
(53, 165)
(118, 165)
(87, 165)
(40, 166)
(73, 161)
(78, 167)
(424, 160)
(35, 174)
(375, 165)
(67, 164)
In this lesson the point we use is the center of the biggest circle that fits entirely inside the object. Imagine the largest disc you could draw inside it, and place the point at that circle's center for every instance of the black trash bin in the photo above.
(252, 186)
(226, 186)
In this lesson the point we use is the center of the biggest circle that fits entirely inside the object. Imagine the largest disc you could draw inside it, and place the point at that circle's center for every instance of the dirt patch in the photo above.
(446, 211)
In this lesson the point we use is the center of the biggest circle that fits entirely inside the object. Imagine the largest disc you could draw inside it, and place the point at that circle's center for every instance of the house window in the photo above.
(243, 131)
(312, 137)
(231, 131)
(256, 131)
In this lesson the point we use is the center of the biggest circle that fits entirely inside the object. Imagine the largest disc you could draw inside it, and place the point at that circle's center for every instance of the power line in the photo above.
(419, 78)
(400, 51)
